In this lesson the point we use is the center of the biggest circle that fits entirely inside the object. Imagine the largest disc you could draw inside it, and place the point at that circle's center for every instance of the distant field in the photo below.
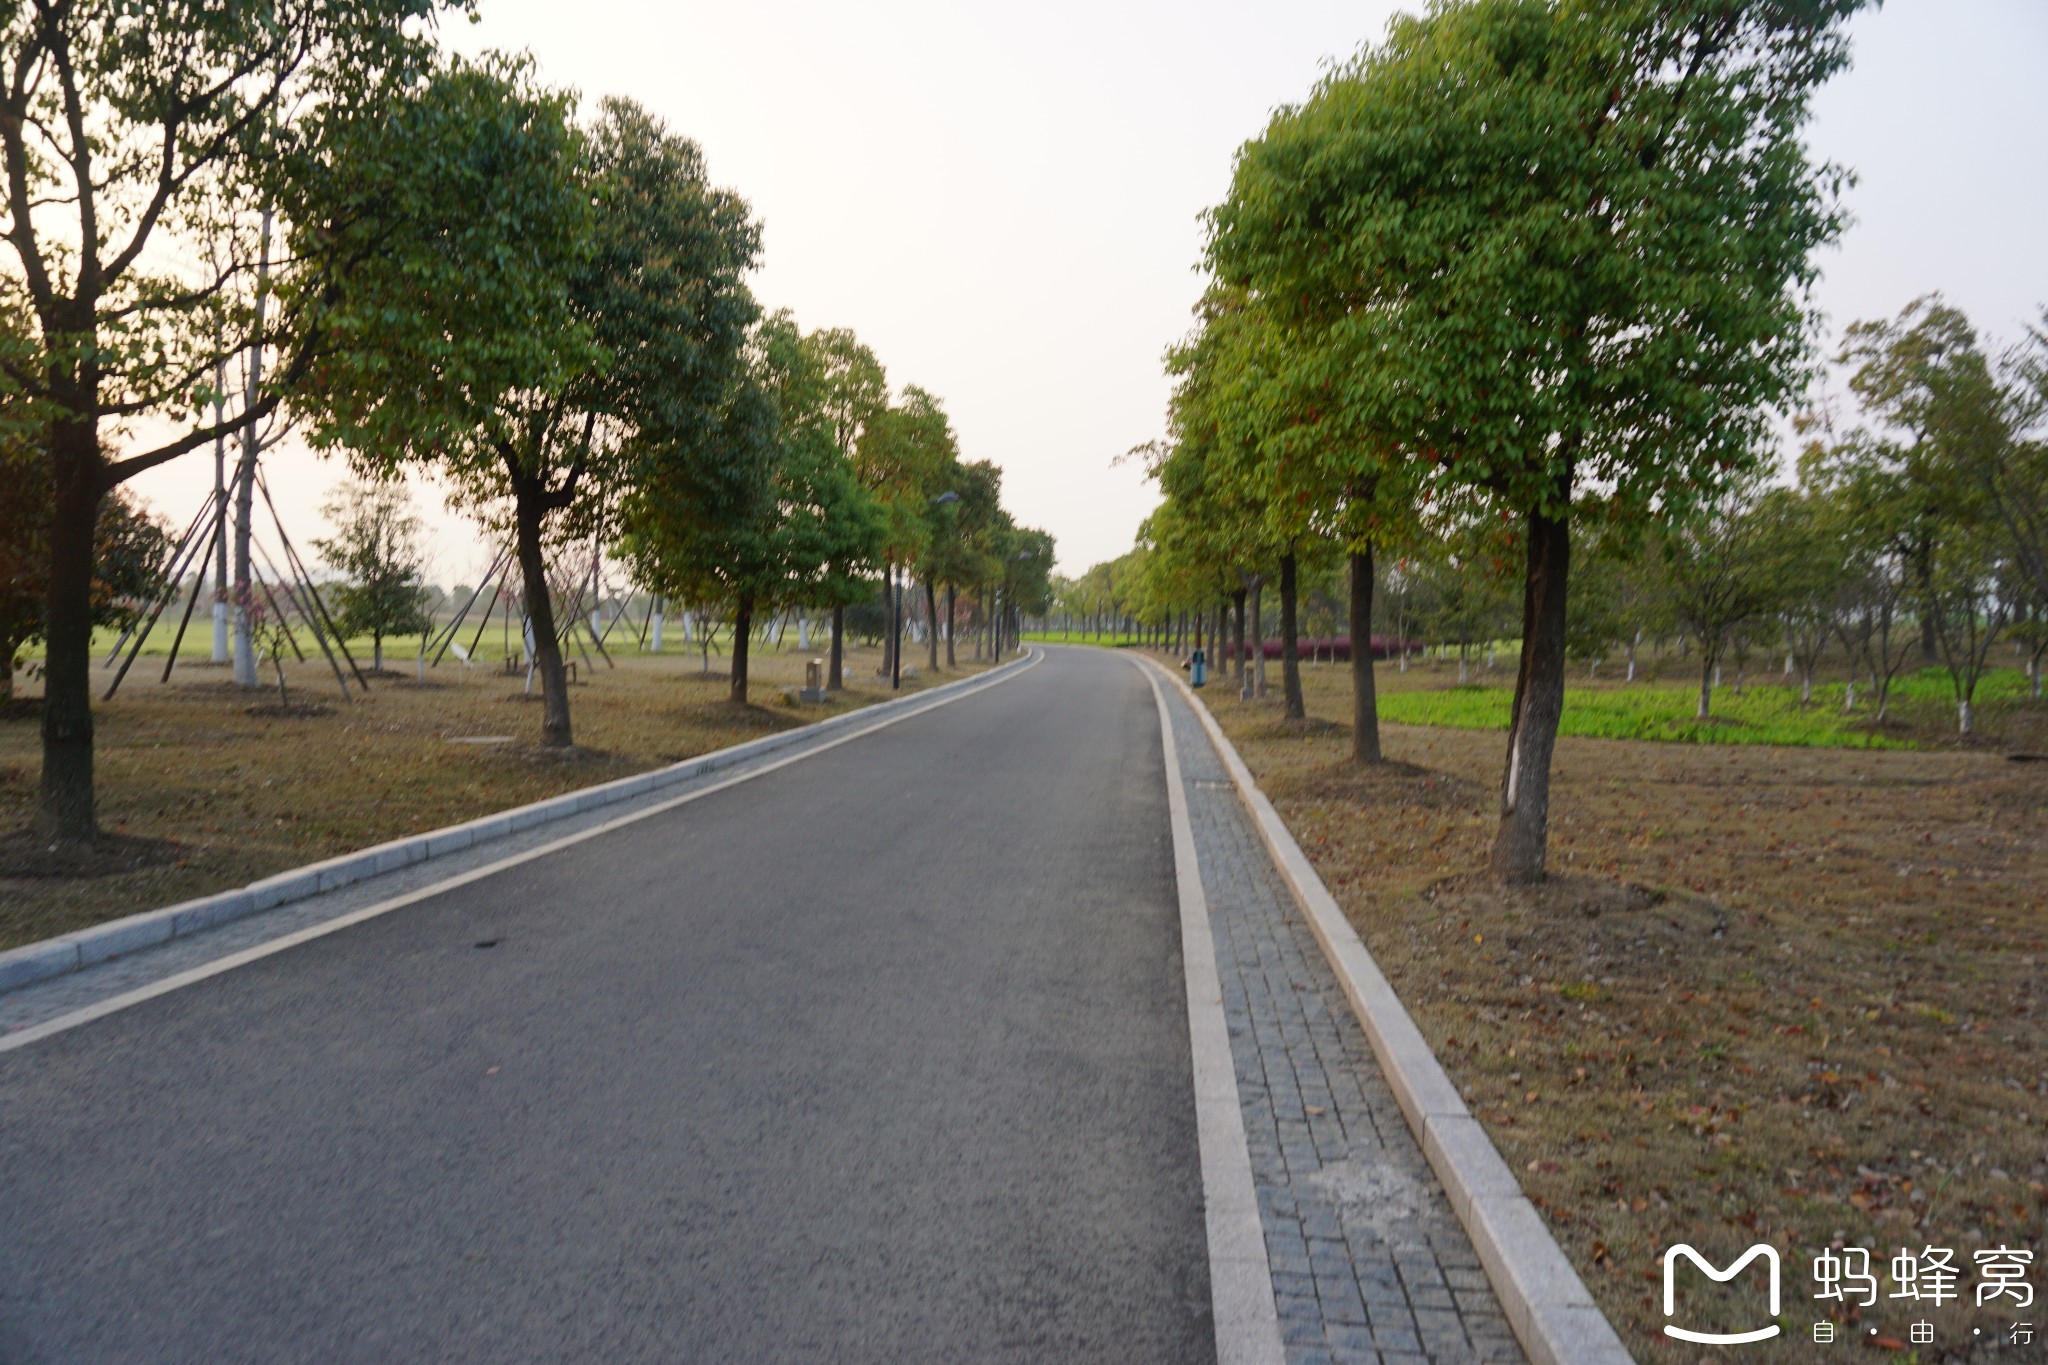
(1076, 637)
(496, 640)
(1770, 714)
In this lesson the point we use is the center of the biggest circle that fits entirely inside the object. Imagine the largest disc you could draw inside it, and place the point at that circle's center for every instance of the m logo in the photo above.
(1671, 1255)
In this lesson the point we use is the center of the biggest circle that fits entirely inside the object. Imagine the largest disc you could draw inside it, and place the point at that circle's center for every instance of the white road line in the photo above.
(115, 1004)
(1240, 1277)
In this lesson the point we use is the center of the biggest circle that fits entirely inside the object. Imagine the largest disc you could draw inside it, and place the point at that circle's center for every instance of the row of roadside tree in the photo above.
(438, 265)
(1901, 539)
(1530, 275)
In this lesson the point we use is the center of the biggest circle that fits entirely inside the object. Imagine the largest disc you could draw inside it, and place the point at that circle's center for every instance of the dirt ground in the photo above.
(1768, 994)
(211, 787)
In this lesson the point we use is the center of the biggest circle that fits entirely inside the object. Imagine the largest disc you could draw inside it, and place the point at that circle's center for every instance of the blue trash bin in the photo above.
(1198, 668)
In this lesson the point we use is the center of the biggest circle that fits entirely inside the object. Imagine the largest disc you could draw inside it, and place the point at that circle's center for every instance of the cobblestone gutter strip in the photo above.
(1240, 1277)
(54, 957)
(1552, 1313)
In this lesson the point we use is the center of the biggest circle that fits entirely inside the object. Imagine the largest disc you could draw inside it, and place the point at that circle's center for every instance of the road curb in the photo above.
(1551, 1311)
(1247, 1320)
(53, 957)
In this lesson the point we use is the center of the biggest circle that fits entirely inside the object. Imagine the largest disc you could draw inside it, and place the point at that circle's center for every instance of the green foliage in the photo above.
(966, 537)
(194, 113)
(131, 548)
(1932, 487)
(1027, 585)
(1720, 567)
(780, 518)
(1539, 258)
(1551, 244)
(905, 454)
(140, 145)
(377, 548)
(1464, 581)
(465, 210)
(551, 316)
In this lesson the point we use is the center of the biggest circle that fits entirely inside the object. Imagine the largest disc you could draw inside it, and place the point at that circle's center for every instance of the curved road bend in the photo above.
(880, 1057)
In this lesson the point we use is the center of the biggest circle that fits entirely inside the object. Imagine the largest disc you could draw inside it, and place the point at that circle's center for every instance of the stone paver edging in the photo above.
(1547, 1304)
(54, 957)
(1240, 1277)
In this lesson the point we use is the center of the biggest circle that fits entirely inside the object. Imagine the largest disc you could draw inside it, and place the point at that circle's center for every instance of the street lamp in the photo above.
(896, 576)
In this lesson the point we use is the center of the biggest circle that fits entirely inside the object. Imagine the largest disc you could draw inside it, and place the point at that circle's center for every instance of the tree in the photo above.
(967, 537)
(904, 453)
(1223, 422)
(550, 309)
(779, 519)
(1559, 246)
(1942, 424)
(131, 549)
(1598, 611)
(133, 138)
(1027, 583)
(1969, 601)
(1720, 575)
(377, 548)
(1805, 560)
(1465, 577)
(1936, 483)
(2016, 486)
(856, 391)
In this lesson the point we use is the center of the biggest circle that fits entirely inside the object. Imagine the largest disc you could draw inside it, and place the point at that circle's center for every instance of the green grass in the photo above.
(403, 650)
(1112, 639)
(1768, 714)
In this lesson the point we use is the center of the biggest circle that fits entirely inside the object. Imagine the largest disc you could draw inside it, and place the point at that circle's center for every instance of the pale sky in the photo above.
(1003, 201)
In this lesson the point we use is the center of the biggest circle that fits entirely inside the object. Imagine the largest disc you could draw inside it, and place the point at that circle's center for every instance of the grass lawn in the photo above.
(1768, 714)
(243, 794)
(1783, 993)
(1111, 639)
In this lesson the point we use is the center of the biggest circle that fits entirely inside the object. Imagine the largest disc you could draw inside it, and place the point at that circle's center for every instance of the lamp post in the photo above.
(896, 576)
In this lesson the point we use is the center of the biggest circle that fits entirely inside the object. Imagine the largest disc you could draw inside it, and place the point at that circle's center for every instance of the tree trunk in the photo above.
(7, 673)
(377, 653)
(1707, 669)
(245, 673)
(1520, 845)
(952, 615)
(1365, 706)
(1259, 639)
(742, 637)
(1237, 649)
(220, 510)
(66, 812)
(835, 671)
(1963, 717)
(540, 614)
(1290, 654)
(888, 619)
(931, 616)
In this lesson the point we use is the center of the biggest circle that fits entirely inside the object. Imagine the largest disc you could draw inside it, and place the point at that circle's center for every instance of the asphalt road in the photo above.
(882, 1056)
